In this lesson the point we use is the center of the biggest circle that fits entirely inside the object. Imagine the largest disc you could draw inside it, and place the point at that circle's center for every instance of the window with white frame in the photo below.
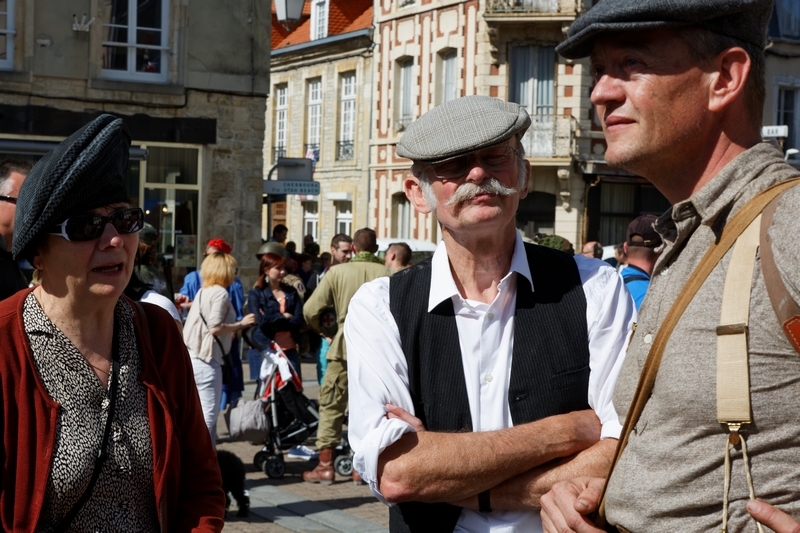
(281, 109)
(347, 97)
(135, 40)
(532, 71)
(405, 70)
(314, 125)
(311, 219)
(448, 81)
(787, 114)
(319, 19)
(401, 219)
(7, 32)
(344, 216)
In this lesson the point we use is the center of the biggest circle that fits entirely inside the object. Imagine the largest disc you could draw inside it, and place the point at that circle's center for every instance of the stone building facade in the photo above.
(782, 106)
(194, 106)
(319, 107)
(430, 51)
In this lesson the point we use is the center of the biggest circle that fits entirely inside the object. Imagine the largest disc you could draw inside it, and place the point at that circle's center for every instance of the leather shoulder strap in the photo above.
(647, 379)
(786, 309)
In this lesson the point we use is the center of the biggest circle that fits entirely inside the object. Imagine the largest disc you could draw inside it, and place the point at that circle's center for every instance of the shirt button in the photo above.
(648, 338)
(490, 316)
(105, 403)
(489, 377)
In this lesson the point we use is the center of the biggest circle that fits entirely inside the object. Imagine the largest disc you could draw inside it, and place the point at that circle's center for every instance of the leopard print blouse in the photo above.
(123, 498)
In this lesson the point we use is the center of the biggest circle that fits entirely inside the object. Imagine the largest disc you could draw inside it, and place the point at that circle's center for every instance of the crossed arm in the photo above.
(435, 467)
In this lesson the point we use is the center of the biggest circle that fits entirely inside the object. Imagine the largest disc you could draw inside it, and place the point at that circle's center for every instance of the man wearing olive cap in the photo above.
(483, 375)
(679, 87)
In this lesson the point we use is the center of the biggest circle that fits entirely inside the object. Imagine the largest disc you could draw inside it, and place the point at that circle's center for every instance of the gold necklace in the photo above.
(106, 372)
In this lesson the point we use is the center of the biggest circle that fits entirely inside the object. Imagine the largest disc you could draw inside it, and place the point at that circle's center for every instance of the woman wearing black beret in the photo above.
(100, 418)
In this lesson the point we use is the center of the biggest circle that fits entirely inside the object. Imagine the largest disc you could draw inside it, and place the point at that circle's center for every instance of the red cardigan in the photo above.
(188, 487)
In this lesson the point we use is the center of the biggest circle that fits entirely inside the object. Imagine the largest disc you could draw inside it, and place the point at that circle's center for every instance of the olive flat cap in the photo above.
(462, 126)
(745, 20)
(85, 171)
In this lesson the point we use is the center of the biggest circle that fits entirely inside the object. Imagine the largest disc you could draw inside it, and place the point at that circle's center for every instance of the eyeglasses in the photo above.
(492, 159)
(9, 199)
(90, 227)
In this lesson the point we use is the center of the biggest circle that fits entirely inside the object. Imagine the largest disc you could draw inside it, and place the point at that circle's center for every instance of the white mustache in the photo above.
(470, 190)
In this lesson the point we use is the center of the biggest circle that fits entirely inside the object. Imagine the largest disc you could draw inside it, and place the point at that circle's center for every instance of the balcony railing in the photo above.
(551, 136)
(278, 151)
(345, 150)
(531, 7)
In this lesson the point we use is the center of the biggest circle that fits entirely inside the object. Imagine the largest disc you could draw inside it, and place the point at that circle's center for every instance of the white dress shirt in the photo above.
(378, 371)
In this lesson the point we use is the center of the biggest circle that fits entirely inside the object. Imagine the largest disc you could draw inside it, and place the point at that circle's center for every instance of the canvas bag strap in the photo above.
(786, 309)
(647, 378)
(733, 379)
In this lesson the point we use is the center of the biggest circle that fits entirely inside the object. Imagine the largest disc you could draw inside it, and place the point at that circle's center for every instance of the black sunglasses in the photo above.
(90, 227)
(9, 199)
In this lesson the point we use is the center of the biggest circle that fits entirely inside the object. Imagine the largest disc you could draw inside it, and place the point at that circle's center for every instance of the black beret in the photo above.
(85, 171)
(745, 20)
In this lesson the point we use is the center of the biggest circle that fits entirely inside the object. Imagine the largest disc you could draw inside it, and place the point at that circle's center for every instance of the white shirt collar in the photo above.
(443, 286)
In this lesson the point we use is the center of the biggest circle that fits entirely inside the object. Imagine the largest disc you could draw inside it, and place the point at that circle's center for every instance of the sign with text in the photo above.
(774, 131)
(291, 187)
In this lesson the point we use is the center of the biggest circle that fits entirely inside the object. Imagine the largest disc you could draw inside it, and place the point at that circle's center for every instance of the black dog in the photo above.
(232, 470)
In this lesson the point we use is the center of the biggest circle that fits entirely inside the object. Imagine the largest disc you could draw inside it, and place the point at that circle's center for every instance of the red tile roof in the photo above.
(344, 16)
(363, 21)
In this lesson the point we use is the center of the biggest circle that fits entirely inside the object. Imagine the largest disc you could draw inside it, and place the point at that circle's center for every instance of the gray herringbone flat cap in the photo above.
(462, 126)
(85, 171)
(745, 20)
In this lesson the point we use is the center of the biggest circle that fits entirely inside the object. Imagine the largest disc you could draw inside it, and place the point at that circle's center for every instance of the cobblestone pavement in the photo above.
(291, 505)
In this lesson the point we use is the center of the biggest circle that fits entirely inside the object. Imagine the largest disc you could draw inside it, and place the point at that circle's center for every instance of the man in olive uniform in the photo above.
(336, 289)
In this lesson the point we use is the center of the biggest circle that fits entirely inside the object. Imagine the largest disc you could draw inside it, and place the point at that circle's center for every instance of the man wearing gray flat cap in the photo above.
(709, 387)
(483, 375)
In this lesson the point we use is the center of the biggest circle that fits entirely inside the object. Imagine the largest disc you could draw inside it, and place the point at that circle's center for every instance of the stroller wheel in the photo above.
(259, 459)
(343, 465)
(274, 467)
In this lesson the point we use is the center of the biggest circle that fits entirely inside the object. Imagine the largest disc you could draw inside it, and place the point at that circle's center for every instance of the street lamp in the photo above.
(289, 12)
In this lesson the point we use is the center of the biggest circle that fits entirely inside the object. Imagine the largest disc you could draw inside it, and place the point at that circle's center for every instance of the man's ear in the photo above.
(625, 247)
(731, 69)
(414, 194)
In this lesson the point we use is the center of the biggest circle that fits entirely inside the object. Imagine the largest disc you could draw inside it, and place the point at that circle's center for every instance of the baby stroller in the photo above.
(293, 417)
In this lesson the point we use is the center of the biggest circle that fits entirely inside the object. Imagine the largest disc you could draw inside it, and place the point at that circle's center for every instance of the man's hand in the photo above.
(565, 507)
(394, 411)
(773, 518)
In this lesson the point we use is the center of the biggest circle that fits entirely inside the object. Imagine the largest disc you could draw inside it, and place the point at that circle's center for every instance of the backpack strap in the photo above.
(636, 277)
(786, 309)
(733, 379)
